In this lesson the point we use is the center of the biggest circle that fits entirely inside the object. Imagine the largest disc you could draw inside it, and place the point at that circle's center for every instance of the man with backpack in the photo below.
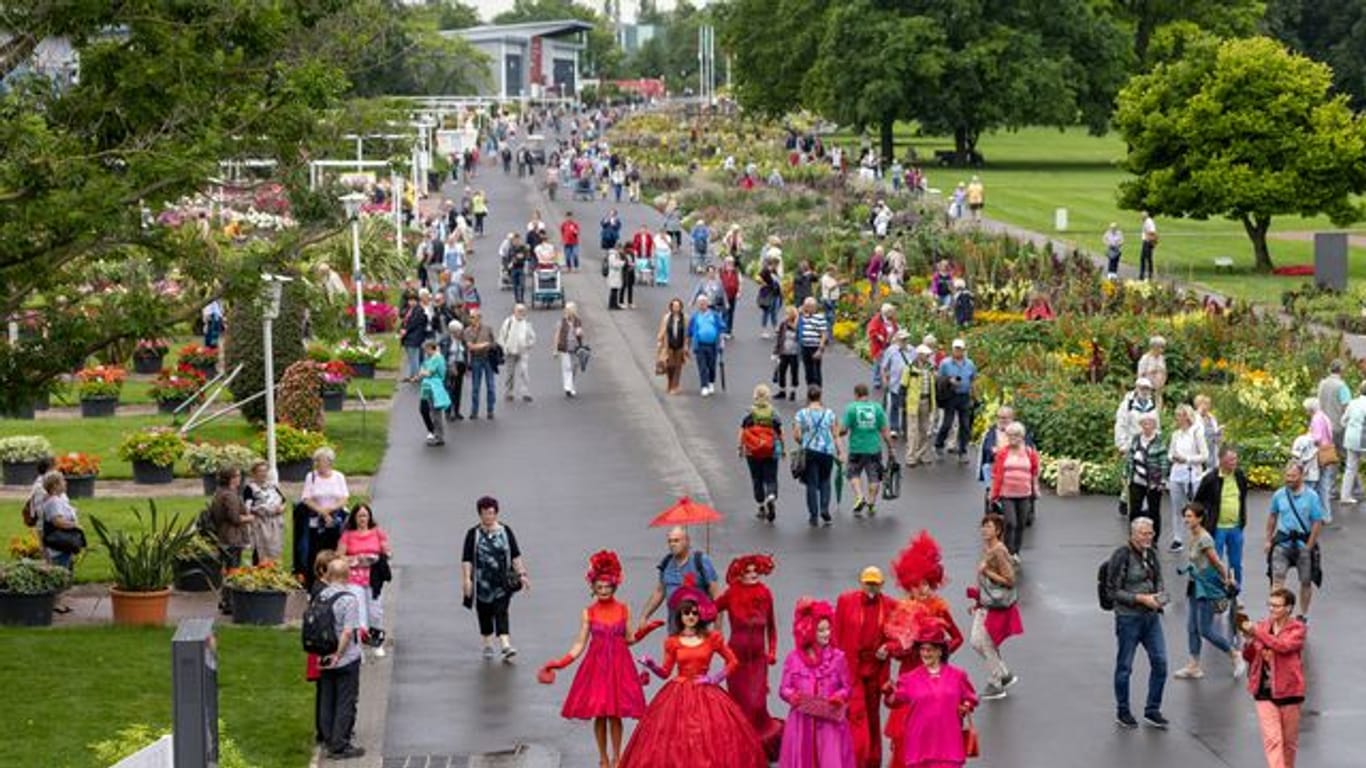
(1293, 525)
(957, 374)
(681, 563)
(330, 624)
(1130, 584)
(701, 244)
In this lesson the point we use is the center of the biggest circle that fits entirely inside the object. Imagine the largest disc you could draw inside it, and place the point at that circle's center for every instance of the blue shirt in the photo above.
(818, 429)
(966, 371)
(706, 327)
(671, 574)
(1307, 504)
(893, 363)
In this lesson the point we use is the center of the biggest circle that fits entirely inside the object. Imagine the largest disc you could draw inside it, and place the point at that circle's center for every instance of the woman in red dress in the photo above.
(691, 723)
(920, 571)
(606, 687)
(754, 639)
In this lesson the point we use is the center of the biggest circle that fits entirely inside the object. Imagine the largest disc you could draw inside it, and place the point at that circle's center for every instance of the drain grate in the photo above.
(521, 756)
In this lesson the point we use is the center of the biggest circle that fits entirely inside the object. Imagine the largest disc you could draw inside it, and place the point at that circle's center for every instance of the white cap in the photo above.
(924, 350)
(929, 340)
(960, 344)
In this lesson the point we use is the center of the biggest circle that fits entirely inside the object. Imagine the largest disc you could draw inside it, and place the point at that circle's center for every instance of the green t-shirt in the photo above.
(865, 421)
(1228, 502)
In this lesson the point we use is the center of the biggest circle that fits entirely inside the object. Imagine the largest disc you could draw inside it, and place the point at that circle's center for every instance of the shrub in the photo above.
(207, 458)
(1068, 420)
(32, 577)
(160, 446)
(143, 557)
(77, 464)
(292, 444)
(298, 399)
(21, 449)
(100, 381)
(244, 345)
(175, 386)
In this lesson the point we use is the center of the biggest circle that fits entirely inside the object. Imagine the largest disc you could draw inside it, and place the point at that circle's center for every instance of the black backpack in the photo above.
(319, 626)
(1104, 596)
(702, 581)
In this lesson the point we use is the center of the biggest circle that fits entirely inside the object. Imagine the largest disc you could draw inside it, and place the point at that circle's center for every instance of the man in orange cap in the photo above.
(860, 615)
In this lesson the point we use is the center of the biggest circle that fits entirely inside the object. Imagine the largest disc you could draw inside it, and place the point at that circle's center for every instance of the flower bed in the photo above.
(380, 317)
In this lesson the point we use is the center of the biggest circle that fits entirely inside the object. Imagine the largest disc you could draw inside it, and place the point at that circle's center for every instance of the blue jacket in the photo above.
(706, 327)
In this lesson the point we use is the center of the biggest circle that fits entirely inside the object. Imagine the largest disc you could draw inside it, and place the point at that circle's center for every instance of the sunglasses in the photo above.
(690, 612)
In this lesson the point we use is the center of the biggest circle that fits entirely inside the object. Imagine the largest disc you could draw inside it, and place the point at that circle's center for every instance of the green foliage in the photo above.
(262, 578)
(299, 400)
(1331, 31)
(1146, 19)
(244, 345)
(207, 458)
(1245, 130)
(1069, 420)
(455, 14)
(160, 446)
(20, 449)
(130, 739)
(143, 558)
(32, 577)
(292, 444)
(774, 43)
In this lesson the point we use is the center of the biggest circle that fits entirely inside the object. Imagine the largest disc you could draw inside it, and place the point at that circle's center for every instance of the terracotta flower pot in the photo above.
(139, 608)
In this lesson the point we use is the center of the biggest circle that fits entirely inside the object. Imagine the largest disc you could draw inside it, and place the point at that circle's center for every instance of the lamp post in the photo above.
(353, 201)
(270, 309)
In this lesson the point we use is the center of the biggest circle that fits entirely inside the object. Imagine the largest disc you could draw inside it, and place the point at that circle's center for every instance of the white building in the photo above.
(533, 59)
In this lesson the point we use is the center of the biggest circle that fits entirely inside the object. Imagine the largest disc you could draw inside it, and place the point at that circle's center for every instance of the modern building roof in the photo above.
(527, 29)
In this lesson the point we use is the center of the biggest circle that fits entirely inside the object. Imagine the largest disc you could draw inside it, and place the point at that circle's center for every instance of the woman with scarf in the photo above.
(754, 639)
(919, 570)
(606, 688)
(672, 341)
(816, 683)
(691, 704)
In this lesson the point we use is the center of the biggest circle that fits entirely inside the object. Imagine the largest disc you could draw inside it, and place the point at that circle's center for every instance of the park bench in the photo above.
(949, 157)
(1223, 263)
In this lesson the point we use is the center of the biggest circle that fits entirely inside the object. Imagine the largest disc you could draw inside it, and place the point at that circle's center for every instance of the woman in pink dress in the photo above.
(606, 687)
(936, 697)
(817, 684)
(754, 639)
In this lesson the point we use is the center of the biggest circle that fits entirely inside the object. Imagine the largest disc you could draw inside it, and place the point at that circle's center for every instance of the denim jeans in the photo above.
(481, 371)
(896, 411)
(412, 361)
(706, 363)
(1200, 624)
(769, 319)
(1228, 545)
(571, 256)
(819, 467)
(518, 278)
(1131, 631)
(1324, 487)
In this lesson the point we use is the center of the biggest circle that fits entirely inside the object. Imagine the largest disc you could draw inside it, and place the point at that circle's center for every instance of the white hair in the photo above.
(1139, 523)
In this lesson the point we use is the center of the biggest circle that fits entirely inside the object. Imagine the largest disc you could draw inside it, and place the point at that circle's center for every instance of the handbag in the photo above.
(970, 746)
(798, 464)
(820, 707)
(891, 487)
(1328, 455)
(995, 596)
(513, 579)
(65, 540)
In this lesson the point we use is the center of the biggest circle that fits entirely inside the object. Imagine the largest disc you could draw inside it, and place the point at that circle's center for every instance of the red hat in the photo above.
(706, 609)
(919, 563)
(762, 563)
(932, 629)
(604, 566)
(807, 617)
(915, 622)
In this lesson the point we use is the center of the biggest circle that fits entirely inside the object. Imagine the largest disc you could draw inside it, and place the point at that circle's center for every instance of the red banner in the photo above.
(537, 76)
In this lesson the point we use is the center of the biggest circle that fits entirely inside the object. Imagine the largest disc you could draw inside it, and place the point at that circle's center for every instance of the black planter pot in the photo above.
(294, 471)
(80, 486)
(168, 406)
(363, 370)
(209, 371)
(210, 483)
(147, 473)
(24, 412)
(202, 575)
(27, 610)
(148, 363)
(98, 407)
(333, 400)
(260, 608)
(21, 472)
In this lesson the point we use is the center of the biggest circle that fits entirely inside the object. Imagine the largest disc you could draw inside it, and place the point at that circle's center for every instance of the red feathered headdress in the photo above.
(915, 621)
(604, 566)
(807, 617)
(920, 562)
(762, 563)
(706, 609)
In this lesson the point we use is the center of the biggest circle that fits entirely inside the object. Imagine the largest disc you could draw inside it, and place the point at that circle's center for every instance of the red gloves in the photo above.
(546, 674)
(646, 629)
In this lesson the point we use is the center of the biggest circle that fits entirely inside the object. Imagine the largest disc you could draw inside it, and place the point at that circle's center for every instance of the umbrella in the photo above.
(685, 511)
(839, 482)
(721, 363)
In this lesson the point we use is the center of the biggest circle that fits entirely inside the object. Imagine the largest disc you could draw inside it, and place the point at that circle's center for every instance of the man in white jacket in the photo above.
(517, 337)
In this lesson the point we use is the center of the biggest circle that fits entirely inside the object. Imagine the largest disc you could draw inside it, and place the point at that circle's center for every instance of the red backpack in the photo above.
(757, 440)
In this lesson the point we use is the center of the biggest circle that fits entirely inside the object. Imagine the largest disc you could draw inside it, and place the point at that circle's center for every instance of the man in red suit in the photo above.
(860, 615)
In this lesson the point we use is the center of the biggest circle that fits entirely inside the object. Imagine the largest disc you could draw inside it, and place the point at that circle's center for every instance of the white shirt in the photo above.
(1114, 238)
(830, 288)
(1188, 453)
(1149, 228)
(516, 336)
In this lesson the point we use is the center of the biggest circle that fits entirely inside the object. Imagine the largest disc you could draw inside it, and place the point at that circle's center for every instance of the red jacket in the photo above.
(998, 470)
(848, 631)
(880, 334)
(569, 232)
(730, 282)
(1286, 668)
(644, 243)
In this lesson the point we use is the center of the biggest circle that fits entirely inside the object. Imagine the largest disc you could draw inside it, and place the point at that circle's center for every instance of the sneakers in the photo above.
(526, 398)
(508, 653)
(1347, 501)
(763, 511)
(858, 507)
(1010, 679)
(1156, 720)
(1126, 720)
(489, 652)
(770, 507)
(349, 752)
(993, 692)
(706, 391)
(826, 522)
(870, 508)
(1239, 666)
(1189, 672)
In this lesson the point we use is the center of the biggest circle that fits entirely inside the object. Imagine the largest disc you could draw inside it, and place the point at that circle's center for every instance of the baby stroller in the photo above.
(583, 188)
(546, 288)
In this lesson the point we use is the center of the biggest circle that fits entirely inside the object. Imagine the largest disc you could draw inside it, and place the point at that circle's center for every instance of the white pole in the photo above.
(268, 336)
(396, 184)
(356, 278)
(360, 152)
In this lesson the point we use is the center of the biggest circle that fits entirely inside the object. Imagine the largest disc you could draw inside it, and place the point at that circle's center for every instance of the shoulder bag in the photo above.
(65, 540)
(513, 583)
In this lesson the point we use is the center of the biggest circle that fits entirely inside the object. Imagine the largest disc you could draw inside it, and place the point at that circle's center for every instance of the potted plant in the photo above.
(206, 459)
(80, 470)
(198, 567)
(143, 561)
(259, 594)
(336, 375)
(361, 357)
(172, 389)
(99, 388)
(28, 592)
(20, 455)
(293, 451)
(149, 354)
(153, 452)
(203, 359)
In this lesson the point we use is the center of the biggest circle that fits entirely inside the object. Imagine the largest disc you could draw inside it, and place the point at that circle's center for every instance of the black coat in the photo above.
(1210, 494)
(415, 327)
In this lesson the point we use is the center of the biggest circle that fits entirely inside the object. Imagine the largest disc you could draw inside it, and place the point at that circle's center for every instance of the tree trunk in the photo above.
(888, 148)
(1144, 27)
(961, 147)
(1257, 227)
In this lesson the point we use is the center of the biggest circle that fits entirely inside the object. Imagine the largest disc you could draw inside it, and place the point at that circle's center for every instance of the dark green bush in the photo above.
(244, 345)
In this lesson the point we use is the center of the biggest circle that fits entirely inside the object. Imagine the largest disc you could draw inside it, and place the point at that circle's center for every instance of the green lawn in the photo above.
(1032, 172)
(85, 684)
(93, 566)
(359, 450)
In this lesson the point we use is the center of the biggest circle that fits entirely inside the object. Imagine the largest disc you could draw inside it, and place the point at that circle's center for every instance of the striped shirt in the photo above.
(817, 428)
(811, 328)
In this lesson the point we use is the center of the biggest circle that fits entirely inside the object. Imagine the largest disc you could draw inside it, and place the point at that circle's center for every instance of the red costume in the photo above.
(754, 639)
(858, 631)
(881, 331)
(918, 564)
(644, 243)
(692, 723)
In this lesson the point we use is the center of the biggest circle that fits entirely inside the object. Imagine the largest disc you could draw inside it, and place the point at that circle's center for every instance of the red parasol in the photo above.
(685, 511)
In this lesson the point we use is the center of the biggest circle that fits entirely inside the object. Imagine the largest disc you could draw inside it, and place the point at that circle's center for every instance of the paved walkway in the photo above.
(576, 476)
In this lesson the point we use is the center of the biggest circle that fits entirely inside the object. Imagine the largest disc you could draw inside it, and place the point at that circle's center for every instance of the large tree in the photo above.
(1144, 18)
(165, 92)
(1331, 31)
(773, 44)
(1243, 129)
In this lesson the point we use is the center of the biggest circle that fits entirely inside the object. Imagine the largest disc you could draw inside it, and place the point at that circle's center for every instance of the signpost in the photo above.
(194, 686)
